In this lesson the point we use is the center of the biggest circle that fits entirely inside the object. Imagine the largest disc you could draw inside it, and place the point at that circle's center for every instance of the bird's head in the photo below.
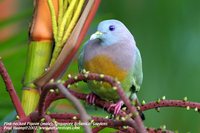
(111, 32)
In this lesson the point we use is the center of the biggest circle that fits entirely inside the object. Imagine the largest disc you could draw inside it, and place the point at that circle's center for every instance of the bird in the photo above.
(112, 51)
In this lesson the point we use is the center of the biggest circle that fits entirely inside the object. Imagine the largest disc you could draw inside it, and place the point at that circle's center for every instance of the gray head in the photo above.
(111, 32)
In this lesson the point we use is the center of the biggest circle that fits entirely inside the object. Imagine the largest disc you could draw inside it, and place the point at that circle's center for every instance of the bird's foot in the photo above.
(117, 106)
(90, 98)
(137, 104)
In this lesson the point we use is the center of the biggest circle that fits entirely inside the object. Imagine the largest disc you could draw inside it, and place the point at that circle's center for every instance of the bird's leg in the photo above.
(137, 105)
(140, 112)
(90, 98)
(117, 106)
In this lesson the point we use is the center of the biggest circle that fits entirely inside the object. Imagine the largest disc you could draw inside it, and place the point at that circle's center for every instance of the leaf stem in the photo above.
(53, 18)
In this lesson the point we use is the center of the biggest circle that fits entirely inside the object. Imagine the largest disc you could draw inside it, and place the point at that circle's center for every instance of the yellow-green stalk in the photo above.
(53, 18)
(62, 7)
(54, 26)
(66, 3)
(39, 52)
(74, 20)
(70, 17)
(39, 55)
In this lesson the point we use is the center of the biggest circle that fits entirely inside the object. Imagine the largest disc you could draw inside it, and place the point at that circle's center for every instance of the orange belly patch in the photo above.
(104, 65)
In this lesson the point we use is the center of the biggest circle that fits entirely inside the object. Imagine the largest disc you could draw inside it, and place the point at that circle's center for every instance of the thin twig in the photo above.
(98, 102)
(53, 19)
(116, 85)
(106, 122)
(41, 109)
(83, 115)
(140, 126)
(42, 100)
(53, 127)
(69, 118)
(171, 103)
(151, 105)
(11, 90)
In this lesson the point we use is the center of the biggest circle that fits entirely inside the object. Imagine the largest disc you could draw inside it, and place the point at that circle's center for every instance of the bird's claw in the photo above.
(117, 107)
(90, 98)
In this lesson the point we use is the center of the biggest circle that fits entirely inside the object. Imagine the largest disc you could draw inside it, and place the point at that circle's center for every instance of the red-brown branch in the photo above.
(98, 102)
(151, 105)
(11, 90)
(117, 124)
(47, 98)
(171, 103)
(49, 120)
(92, 76)
(138, 125)
(83, 114)
(41, 109)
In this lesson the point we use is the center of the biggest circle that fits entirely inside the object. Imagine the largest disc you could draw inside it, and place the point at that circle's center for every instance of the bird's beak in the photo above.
(96, 35)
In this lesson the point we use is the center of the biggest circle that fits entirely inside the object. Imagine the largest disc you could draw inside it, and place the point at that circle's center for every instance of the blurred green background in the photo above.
(167, 34)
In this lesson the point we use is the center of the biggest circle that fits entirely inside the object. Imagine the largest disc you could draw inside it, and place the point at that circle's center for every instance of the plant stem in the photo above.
(11, 90)
(75, 40)
(61, 8)
(171, 103)
(138, 125)
(30, 98)
(39, 54)
(83, 115)
(74, 20)
(54, 19)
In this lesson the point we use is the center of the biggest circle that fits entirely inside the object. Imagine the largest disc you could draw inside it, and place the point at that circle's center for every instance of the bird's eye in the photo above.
(111, 27)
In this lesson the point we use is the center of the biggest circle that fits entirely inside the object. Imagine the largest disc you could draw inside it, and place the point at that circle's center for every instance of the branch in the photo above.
(138, 124)
(76, 117)
(41, 109)
(151, 105)
(83, 115)
(171, 103)
(124, 126)
(11, 90)
(42, 100)
(49, 120)
(105, 104)
(117, 124)
(98, 102)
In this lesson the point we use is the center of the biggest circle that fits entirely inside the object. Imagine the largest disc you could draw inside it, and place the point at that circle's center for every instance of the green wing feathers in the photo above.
(80, 60)
(137, 71)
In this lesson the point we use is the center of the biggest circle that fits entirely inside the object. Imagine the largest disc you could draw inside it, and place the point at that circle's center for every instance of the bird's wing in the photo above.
(81, 58)
(137, 80)
(137, 71)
